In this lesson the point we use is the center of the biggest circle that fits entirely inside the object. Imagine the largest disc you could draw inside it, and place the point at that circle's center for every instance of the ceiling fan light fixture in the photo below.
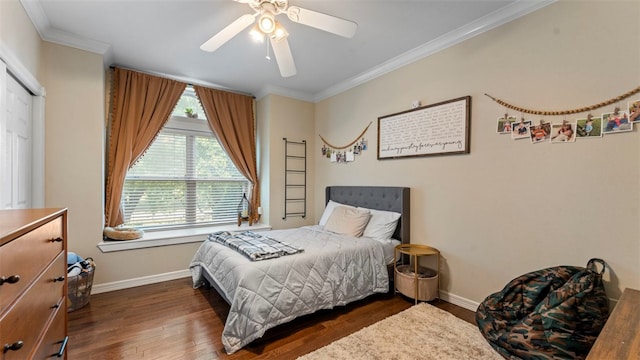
(267, 23)
(279, 32)
(265, 12)
(256, 34)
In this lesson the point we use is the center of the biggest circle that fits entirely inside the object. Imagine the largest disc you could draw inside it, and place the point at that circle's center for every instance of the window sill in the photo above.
(174, 237)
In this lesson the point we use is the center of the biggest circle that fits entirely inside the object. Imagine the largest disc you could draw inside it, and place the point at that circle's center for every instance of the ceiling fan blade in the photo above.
(322, 21)
(228, 32)
(284, 58)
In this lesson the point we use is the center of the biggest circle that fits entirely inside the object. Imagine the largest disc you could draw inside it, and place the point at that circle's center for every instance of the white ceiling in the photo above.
(163, 37)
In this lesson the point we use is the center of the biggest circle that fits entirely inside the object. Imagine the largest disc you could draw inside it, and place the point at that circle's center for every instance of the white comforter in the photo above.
(333, 270)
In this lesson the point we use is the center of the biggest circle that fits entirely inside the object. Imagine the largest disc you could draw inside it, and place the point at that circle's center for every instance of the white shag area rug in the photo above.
(421, 332)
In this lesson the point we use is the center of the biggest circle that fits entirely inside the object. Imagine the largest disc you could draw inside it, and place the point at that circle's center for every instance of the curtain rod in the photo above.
(112, 67)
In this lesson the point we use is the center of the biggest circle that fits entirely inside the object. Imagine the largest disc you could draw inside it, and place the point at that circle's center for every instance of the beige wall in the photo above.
(20, 36)
(75, 117)
(506, 208)
(510, 207)
(263, 107)
(281, 117)
(74, 146)
(75, 82)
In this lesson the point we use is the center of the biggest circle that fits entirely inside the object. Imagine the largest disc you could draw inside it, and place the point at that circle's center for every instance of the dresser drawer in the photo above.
(26, 320)
(27, 256)
(54, 339)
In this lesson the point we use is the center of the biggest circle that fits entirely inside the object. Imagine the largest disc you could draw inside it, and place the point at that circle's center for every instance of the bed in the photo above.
(333, 269)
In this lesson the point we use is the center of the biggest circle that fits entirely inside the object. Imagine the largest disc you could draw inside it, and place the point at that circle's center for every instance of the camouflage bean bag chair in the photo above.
(553, 313)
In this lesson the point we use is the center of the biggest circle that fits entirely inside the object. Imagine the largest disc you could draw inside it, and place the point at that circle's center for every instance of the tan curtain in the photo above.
(141, 104)
(231, 119)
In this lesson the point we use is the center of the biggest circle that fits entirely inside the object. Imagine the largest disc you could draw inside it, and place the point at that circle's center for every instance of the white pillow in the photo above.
(382, 224)
(329, 209)
(348, 221)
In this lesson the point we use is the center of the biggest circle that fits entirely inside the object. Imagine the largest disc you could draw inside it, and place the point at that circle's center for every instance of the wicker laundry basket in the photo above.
(427, 282)
(79, 289)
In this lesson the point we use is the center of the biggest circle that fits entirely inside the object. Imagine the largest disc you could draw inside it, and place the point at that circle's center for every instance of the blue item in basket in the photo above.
(73, 258)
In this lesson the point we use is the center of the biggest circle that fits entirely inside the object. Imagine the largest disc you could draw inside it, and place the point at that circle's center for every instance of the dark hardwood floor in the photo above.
(173, 321)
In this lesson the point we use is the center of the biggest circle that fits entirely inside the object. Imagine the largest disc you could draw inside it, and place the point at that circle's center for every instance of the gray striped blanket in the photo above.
(254, 246)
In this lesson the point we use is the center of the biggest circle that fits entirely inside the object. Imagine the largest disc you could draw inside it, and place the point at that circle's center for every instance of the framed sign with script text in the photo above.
(437, 129)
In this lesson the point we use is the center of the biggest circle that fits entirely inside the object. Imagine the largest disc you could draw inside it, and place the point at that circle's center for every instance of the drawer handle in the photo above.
(14, 347)
(57, 240)
(11, 279)
(59, 278)
(55, 306)
(62, 347)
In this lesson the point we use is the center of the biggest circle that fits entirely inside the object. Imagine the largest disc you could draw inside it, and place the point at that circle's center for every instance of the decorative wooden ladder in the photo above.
(295, 178)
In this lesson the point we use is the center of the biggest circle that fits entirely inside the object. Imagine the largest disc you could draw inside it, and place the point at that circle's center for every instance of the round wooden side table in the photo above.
(415, 251)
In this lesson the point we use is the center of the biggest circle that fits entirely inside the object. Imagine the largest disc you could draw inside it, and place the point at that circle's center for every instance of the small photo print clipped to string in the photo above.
(563, 133)
(616, 122)
(634, 111)
(589, 128)
(520, 129)
(505, 124)
(540, 132)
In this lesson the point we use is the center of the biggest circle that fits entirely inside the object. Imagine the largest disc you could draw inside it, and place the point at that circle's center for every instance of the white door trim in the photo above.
(24, 76)
(9, 62)
(38, 151)
(3, 138)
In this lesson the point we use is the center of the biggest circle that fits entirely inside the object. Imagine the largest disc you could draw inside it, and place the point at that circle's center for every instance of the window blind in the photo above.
(185, 178)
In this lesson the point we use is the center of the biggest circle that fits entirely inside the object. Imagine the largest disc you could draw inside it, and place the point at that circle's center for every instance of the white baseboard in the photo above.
(145, 280)
(473, 306)
(153, 279)
(459, 300)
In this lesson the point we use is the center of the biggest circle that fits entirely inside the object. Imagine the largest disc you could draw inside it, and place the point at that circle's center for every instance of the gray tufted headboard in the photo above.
(386, 198)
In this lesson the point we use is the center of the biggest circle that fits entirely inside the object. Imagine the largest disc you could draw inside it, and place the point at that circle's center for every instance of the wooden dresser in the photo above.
(620, 337)
(33, 283)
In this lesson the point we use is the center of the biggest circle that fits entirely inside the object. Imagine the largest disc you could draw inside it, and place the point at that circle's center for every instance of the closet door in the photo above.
(16, 146)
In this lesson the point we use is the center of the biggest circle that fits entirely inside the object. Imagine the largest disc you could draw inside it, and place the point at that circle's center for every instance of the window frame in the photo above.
(190, 127)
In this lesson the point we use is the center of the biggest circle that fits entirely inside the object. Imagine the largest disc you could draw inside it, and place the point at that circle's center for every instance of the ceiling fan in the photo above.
(267, 26)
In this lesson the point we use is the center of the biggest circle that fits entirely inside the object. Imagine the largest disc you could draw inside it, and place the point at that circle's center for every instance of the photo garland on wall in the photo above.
(567, 131)
(346, 153)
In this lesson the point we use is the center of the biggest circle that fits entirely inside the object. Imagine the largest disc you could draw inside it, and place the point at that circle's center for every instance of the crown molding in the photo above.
(56, 36)
(41, 22)
(36, 14)
(504, 15)
(484, 24)
(276, 90)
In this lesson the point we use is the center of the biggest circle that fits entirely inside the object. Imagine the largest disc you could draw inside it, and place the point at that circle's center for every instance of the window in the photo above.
(185, 178)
